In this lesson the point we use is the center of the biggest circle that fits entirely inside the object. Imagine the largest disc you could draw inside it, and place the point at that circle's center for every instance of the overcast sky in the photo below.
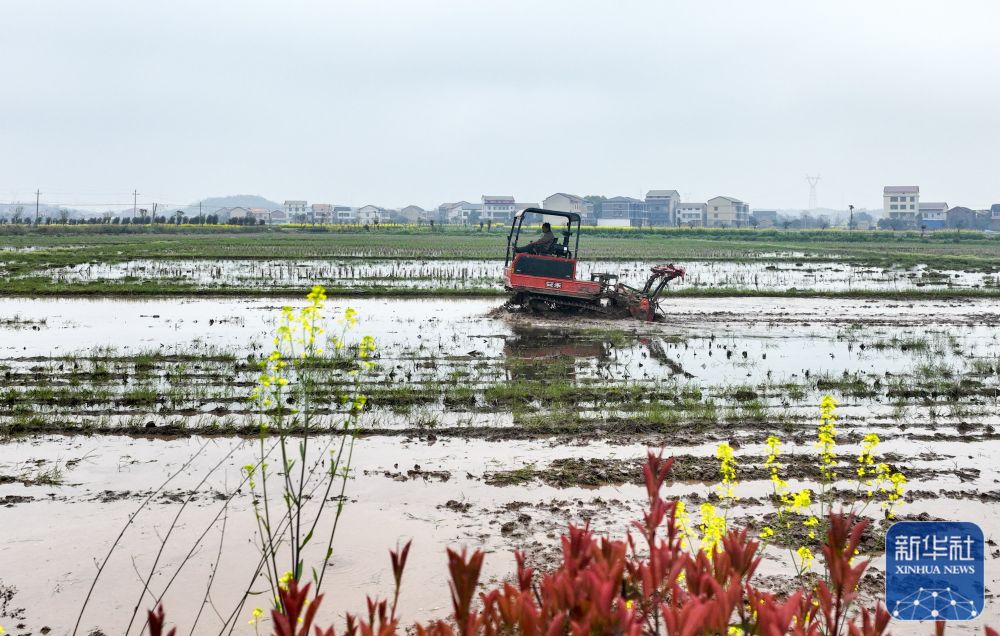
(413, 101)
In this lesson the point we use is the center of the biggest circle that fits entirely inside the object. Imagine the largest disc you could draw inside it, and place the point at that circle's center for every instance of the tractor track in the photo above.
(512, 306)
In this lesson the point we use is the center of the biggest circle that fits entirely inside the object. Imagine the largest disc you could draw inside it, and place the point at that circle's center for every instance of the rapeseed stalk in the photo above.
(713, 525)
(284, 397)
(826, 442)
(875, 480)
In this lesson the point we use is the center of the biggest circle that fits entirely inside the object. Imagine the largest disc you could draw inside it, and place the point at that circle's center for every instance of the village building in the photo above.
(623, 212)
(727, 212)
(661, 207)
(901, 204)
(933, 215)
(691, 214)
(413, 214)
(499, 209)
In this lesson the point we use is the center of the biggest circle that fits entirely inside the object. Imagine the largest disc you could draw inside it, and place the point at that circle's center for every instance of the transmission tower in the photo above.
(812, 181)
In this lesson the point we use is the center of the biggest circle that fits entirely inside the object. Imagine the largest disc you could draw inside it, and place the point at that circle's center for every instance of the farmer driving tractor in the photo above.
(542, 275)
(540, 246)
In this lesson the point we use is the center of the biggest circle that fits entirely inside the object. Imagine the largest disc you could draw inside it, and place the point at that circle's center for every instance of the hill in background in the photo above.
(210, 204)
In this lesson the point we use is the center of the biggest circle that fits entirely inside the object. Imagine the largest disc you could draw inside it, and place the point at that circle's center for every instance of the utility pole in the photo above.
(38, 194)
(135, 203)
(850, 224)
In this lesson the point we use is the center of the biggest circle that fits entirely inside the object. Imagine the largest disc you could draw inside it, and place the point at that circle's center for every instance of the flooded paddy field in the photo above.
(783, 273)
(464, 261)
(480, 428)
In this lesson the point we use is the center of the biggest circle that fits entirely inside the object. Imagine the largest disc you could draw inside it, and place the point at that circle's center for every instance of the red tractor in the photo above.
(543, 277)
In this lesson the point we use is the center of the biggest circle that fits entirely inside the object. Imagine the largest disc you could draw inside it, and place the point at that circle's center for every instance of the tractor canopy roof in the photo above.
(572, 216)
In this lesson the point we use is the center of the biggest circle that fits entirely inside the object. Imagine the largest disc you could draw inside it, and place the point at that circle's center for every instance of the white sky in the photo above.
(413, 101)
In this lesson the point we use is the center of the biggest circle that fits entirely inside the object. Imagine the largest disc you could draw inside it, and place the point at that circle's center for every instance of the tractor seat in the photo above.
(559, 250)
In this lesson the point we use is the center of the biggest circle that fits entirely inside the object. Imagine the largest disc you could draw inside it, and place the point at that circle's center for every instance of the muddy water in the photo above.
(276, 274)
(780, 336)
(49, 543)
(51, 535)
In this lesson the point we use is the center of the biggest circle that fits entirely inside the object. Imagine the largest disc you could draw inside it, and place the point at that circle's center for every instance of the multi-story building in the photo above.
(726, 212)
(321, 213)
(995, 217)
(901, 205)
(296, 210)
(661, 206)
(623, 212)
(345, 214)
(497, 208)
(933, 215)
(691, 214)
(564, 202)
(765, 218)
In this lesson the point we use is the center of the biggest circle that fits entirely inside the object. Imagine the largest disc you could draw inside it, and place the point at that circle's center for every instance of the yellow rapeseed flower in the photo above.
(806, 557)
(255, 614)
(826, 437)
(713, 527)
(727, 468)
(683, 520)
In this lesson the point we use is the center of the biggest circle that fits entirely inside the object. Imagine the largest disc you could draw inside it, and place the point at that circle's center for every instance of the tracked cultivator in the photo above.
(542, 277)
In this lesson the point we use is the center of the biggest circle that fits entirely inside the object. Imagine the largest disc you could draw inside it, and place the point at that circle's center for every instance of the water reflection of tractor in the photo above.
(541, 276)
(538, 354)
(530, 344)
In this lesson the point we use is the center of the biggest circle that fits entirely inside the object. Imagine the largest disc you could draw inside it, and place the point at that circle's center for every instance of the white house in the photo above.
(444, 211)
(901, 204)
(371, 214)
(465, 212)
(691, 214)
(295, 207)
(497, 208)
(726, 212)
(345, 214)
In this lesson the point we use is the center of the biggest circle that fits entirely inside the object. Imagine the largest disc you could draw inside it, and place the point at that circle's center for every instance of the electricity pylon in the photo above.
(812, 181)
